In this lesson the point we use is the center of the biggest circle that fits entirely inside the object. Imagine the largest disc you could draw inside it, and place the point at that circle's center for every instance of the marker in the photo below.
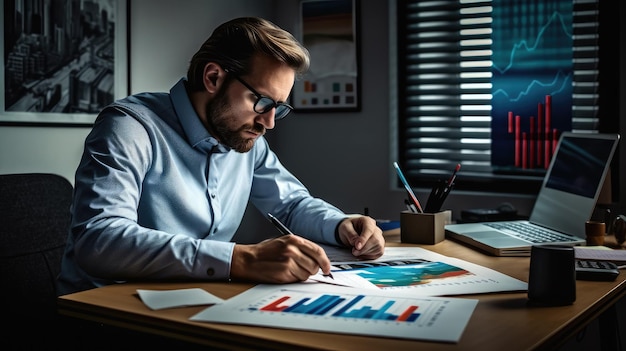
(285, 231)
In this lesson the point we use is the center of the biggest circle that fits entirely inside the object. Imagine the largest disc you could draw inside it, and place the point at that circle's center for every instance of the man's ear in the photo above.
(213, 77)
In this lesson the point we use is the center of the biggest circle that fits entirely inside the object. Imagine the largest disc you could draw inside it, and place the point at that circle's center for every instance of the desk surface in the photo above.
(500, 320)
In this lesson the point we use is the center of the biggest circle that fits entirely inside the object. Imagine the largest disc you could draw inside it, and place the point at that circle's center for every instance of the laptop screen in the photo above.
(572, 185)
(580, 165)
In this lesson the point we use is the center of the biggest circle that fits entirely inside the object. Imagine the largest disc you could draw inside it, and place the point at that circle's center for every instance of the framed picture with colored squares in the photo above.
(329, 30)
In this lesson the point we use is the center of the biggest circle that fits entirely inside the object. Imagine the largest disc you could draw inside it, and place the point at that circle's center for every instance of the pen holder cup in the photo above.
(424, 228)
(552, 275)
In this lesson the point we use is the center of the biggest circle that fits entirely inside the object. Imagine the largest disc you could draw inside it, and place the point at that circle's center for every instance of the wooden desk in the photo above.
(501, 321)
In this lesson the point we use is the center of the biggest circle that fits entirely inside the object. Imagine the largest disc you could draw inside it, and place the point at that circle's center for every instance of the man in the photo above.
(165, 179)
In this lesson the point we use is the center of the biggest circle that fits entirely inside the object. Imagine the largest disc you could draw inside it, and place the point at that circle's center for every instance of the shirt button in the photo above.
(210, 272)
(212, 196)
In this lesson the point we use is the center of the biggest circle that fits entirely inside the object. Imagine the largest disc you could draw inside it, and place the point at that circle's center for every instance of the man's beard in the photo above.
(220, 122)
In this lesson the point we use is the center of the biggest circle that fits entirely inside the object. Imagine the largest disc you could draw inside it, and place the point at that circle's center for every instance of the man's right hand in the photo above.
(286, 259)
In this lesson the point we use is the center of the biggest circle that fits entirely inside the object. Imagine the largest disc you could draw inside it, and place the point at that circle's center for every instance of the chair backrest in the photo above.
(34, 224)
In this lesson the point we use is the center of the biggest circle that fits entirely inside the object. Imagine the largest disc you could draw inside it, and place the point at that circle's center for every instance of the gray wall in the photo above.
(342, 157)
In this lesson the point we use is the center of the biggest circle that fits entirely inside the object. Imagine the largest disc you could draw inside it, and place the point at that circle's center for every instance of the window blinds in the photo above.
(444, 91)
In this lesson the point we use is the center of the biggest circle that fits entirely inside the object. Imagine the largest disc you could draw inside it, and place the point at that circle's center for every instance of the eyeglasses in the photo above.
(264, 104)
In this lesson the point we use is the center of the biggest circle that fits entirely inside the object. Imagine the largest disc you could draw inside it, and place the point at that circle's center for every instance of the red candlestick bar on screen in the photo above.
(539, 140)
(517, 140)
(531, 144)
(524, 153)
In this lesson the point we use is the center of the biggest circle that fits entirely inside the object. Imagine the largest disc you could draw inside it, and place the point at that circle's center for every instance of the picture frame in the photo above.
(59, 71)
(329, 29)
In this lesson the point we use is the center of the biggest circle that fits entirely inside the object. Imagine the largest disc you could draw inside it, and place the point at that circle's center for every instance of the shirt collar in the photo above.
(196, 133)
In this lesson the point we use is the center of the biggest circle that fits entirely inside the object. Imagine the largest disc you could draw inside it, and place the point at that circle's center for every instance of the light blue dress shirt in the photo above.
(157, 197)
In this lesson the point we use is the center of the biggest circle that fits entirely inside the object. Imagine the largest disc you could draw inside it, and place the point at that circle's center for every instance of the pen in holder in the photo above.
(437, 196)
(424, 228)
(440, 192)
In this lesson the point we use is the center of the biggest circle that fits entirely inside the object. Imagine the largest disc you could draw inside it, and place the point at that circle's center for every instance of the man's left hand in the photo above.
(363, 235)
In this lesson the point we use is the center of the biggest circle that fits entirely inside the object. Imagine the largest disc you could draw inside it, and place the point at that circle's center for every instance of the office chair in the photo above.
(34, 224)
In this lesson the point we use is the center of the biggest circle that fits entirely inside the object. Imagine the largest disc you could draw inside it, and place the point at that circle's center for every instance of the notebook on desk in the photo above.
(565, 201)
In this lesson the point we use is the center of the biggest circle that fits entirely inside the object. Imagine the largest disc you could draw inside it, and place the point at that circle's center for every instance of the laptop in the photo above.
(565, 201)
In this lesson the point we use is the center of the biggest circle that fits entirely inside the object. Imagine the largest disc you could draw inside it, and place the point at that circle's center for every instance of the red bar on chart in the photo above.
(531, 144)
(547, 150)
(517, 140)
(406, 314)
(275, 306)
(539, 134)
(524, 153)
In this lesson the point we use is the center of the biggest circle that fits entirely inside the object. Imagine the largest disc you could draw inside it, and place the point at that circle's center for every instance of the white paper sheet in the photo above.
(335, 309)
(161, 299)
(344, 279)
(602, 253)
(415, 270)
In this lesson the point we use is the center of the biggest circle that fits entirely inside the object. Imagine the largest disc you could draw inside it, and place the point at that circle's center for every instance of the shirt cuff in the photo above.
(337, 238)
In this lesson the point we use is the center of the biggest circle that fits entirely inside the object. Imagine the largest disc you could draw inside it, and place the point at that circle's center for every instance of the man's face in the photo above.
(231, 114)
(229, 129)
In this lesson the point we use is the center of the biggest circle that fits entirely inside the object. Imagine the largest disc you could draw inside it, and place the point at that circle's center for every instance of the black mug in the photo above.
(552, 276)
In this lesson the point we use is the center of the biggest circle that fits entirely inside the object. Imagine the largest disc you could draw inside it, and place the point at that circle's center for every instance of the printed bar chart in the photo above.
(337, 306)
(336, 309)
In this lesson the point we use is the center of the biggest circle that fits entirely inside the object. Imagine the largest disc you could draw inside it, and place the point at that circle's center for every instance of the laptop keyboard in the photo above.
(534, 234)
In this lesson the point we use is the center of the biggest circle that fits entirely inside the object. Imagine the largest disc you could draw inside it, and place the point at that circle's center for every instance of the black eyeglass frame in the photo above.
(282, 109)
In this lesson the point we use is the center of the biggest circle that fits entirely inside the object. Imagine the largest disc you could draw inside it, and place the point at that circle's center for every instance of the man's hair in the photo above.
(234, 43)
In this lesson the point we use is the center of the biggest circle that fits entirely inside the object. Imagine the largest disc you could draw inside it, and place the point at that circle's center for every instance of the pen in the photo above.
(279, 225)
(410, 206)
(408, 188)
(285, 231)
(440, 192)
(453, 176)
